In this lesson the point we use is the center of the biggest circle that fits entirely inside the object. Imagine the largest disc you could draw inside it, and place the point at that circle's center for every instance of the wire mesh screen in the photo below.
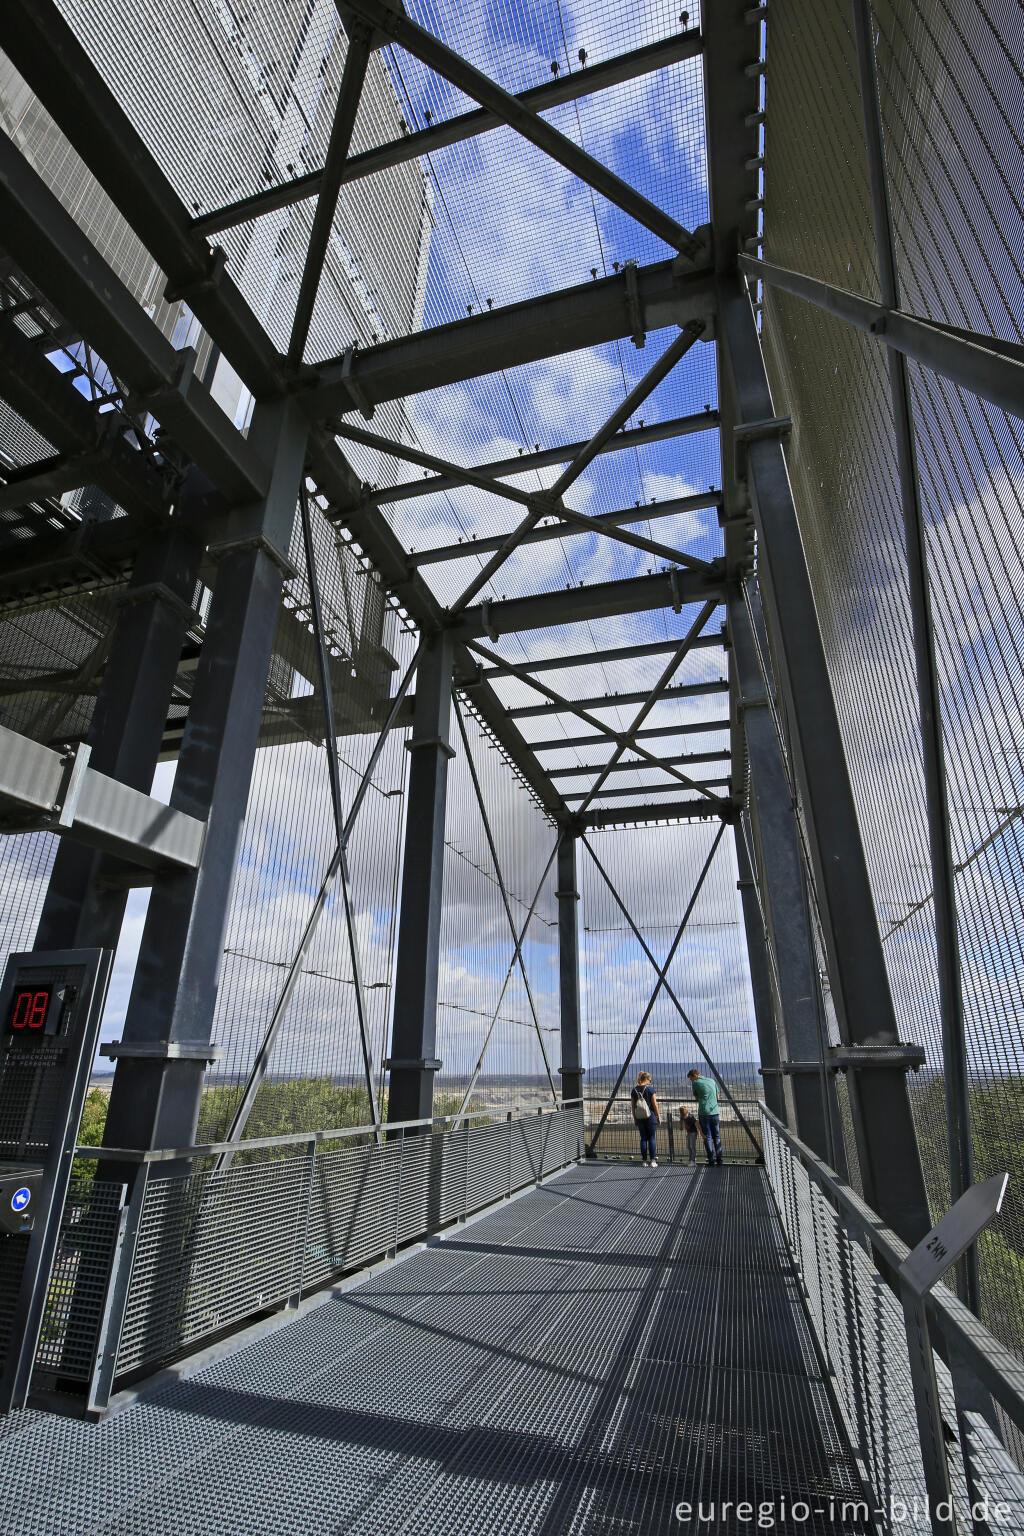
(950, 84)
(268, 79)
(304, 998)
(497, 1012)
(654, 873)
(861, 1331)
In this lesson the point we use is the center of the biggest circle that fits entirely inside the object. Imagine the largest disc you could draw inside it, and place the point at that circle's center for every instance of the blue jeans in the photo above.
(648, 1131)
(712, 1137)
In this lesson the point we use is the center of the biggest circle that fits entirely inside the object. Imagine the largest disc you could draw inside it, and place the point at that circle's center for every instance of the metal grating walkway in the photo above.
(579, 1361)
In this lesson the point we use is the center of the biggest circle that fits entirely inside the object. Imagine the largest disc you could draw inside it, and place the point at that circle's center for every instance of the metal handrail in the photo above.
(955, 1328)
(304, 1138)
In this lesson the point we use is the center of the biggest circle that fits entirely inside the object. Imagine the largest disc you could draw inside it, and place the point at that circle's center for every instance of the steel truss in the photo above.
(234, 498)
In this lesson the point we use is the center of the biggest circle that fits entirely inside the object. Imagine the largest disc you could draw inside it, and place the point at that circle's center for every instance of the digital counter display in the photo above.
(29, 1008)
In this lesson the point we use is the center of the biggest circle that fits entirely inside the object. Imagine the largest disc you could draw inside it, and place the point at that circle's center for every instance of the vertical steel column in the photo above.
(782, 889)
(760, 982)
(413, 1063)
(890, 1161)
(166, 1045)
(80, 909)
(940, 843)
(568, 896)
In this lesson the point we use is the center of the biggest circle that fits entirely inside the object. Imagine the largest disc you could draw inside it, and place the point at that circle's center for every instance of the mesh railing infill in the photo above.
(860, 1328)
(216, 1248)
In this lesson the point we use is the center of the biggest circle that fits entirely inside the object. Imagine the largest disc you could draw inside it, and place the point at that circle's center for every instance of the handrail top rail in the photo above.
(960, 1331)
(305, 1138)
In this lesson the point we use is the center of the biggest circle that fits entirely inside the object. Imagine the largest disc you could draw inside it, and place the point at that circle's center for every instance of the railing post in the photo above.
(115, 1308)
(929, 1412)
(310, 1172)
(888, 1153)
(508, 1118)
(465, 1181)
(398, 1190)
(568, 897)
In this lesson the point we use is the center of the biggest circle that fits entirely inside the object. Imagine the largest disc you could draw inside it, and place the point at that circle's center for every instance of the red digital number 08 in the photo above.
(30, 1010)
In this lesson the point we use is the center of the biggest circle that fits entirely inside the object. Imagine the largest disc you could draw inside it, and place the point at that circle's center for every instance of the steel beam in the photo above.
(543, 535)
(567, 893)
(44, 790)
(703, 785)
(600, 600)
(760, 980)
(547, 500)
(610, 700)
(82, 909)
(372, 532)
(811, 1108)
(617, 737)
(414, 1034)
(43, 237)
(673, 762)
(349, 94)
(162, 1057)
(555, 323)
(979, 364)
(90, 454)
(890, 1162)
(524, 463)
(508, 109)
(633, 815)
(656, 694)
(692, 728)
(53, 62)
(494, 716)
(49, 57)
(732, 99)
(571, 86)
(598, 656)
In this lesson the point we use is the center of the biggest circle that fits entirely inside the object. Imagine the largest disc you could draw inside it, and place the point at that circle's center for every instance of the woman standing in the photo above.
(647, 1116)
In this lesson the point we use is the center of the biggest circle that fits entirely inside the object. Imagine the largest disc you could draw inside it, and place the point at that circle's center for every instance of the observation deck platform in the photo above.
(582, 1359)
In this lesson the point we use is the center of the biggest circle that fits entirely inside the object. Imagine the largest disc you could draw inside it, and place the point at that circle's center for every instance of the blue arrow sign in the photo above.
(20, 1198)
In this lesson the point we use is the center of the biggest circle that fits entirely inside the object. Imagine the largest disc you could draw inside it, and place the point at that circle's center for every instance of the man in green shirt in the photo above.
(706, 1094)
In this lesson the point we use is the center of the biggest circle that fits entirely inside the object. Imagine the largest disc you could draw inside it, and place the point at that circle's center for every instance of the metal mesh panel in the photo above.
(212, 1249)
(489, 1026)
(860, 1329)
(353, 1211)
(950, 87)
(78, 1284)
(216, 1248)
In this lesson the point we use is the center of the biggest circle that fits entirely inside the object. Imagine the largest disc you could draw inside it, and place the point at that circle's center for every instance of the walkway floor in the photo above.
(582, 1360)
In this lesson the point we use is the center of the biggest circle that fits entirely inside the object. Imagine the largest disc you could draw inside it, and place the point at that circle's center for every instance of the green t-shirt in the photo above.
(706, 1094)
